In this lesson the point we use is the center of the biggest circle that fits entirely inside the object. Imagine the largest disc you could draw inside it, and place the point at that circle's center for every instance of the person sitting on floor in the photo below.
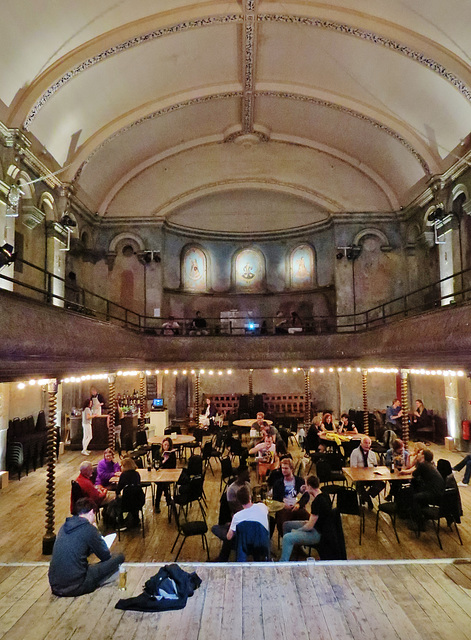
(98, 495)
(107, 469)
(363, 456)
(308, 532)
(69, 571)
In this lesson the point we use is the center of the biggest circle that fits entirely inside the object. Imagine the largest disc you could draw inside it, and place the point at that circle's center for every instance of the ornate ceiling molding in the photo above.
(249, 19)
(374, 38)
(354, 114)
(124, 46)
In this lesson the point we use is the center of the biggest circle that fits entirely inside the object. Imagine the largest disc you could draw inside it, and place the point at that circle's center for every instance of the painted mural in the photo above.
(302, 267)
(194, 270)
(250, 271)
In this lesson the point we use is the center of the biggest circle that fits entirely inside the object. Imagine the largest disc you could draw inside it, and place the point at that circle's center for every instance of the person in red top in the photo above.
(98, 496)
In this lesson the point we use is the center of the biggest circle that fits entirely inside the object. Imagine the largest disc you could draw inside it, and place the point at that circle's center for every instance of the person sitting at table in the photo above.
(69, 571)
(98, 495)
(129, 476)
(393, 415)
(286, 490)
(427, 486)
(169, 461)
(363, 456)
(220, 530)
(107, 468)
(309, 532)
(249, 513)
(399, 456)
(422, 419)
(327, 422)
(346, 424)
(266, 454)
(259, 422)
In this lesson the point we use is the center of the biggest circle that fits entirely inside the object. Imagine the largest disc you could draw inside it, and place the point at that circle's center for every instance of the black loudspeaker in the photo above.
(244, 404)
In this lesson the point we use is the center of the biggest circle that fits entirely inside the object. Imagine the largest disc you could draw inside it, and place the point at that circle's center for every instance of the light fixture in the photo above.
(7, 255)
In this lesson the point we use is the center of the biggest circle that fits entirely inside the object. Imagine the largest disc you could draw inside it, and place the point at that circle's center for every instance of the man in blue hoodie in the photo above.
(69, 571)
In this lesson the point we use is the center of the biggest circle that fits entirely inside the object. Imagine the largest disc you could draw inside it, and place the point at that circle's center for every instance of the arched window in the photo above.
(249, 271)
(194, 269)
(301, 267)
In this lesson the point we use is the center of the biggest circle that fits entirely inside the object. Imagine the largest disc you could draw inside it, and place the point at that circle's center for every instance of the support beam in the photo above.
(364, 389)
(50, 536)
(142, 400)
(197, 399)
(307, 399)
(405, 406)
(250, 391)
(112, 413)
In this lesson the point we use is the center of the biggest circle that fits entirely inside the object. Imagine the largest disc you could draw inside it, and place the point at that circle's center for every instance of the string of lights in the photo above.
(220, 372)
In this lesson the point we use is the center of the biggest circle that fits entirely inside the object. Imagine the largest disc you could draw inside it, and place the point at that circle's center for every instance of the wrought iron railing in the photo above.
(42, 285)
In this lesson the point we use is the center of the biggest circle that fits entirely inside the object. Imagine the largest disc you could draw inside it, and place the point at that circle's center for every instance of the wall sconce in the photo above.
(7, 256)
(351, 253)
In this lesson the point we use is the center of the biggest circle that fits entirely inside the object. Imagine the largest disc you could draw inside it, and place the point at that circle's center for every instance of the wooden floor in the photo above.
(22, 508)
(274, 602)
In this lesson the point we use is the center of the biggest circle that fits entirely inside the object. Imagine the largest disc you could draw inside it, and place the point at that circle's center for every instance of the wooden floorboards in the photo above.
(388, 591)
(22, 505)
(272, 602)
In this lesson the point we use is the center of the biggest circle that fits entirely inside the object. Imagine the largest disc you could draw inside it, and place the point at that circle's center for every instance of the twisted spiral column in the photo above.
(197, 399)
(364, 388)
(307, 399)
(405, 406)
(250, 390)
(50, 537)
(142, 400)
(111, 415)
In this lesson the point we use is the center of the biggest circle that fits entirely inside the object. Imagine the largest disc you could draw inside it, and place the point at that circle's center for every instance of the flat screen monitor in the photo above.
(157, 403)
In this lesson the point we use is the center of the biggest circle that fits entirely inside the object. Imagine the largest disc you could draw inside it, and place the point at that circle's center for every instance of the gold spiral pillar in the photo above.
(364, 389)
(405, 406)
(307, 399)
(112, 412)
(197, 399)
(142, 400)
(50, 537)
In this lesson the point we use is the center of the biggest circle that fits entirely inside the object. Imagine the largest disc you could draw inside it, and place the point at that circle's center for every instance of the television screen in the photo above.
(157, 403)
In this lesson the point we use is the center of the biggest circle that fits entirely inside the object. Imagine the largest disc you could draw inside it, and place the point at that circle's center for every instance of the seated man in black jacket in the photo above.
(286, 490)
(427, 484)
(69, 571)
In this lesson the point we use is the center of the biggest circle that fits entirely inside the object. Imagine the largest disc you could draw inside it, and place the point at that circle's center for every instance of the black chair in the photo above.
(252, 540)
(348, 503)
(15, 458)
(188, 493)
(191, 446)
(195, 466)
(226, 471)
(188, 529)
(390, 509)
(210, 452)
(449, 509)
(75, 494)
(131, 500)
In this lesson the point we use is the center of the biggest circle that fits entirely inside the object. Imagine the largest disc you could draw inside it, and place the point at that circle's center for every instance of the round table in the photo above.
(248, 422)
(177, 440)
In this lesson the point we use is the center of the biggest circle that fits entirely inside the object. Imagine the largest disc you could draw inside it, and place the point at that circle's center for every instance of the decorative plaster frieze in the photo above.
(249, 46)
(375, 38)
(354, 114)
(124, 46)
(156, 114)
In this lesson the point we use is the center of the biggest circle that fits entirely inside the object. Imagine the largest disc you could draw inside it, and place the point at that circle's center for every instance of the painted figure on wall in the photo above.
(194, 270)
(250, 270)
(302, 267)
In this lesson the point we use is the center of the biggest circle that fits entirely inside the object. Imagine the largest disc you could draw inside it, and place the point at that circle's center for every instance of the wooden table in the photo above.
(167, 476)
(373, 474)
(177, 440)
(248, 422)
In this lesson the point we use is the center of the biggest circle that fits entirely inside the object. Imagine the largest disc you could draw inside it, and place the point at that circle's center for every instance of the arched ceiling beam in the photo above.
(436, 58)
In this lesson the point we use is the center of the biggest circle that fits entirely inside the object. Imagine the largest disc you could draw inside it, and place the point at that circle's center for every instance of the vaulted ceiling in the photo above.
(291, 111)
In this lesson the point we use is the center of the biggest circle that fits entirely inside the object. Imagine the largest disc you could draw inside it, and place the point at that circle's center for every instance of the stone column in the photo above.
(307, 399)
(364, 388)
(50, 537)
(405, 406)
(112, 411)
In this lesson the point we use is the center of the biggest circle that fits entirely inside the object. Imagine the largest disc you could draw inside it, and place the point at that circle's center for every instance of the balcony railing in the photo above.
(37, 283)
